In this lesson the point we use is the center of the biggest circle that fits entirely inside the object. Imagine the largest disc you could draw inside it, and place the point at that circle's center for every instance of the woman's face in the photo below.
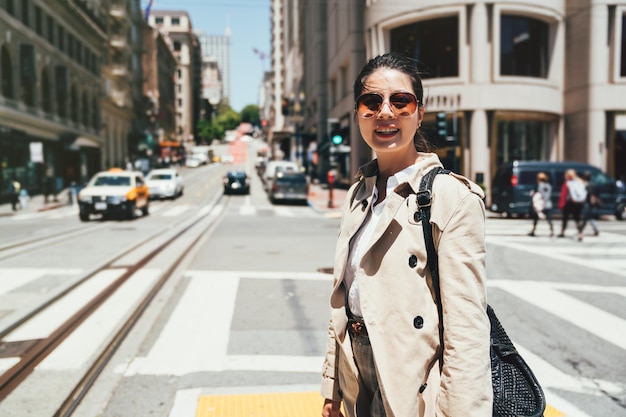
(385, 132)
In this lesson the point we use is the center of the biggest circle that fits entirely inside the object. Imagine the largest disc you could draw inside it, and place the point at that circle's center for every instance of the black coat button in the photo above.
(412, 261)
(364, 204)
(418, 322)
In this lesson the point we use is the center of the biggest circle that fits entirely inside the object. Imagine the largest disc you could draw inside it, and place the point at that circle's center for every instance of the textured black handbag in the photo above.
(516, 391)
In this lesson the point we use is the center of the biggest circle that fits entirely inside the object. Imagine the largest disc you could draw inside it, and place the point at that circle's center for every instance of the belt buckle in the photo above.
(357, 327)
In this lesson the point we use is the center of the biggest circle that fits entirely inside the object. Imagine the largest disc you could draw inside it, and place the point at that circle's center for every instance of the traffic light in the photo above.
(284, 105)
(336, 138)
(442, 126)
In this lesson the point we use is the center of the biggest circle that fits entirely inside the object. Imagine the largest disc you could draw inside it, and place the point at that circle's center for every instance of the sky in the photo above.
(249, 22)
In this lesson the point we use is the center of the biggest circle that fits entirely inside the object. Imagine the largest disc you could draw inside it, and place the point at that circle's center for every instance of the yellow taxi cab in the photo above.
(114, 192)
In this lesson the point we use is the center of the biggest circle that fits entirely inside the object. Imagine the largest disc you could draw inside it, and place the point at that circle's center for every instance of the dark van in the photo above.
(513, 181)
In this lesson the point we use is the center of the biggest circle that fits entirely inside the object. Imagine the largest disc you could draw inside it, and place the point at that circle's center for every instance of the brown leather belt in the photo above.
(357, 328)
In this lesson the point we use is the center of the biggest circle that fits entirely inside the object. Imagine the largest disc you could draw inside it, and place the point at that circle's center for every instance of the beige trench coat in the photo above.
(398, 304)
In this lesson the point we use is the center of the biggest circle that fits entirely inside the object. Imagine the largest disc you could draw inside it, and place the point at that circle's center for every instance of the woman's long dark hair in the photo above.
(406, 65)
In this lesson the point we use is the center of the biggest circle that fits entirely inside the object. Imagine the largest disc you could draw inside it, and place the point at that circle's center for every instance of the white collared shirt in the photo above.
(361, 240)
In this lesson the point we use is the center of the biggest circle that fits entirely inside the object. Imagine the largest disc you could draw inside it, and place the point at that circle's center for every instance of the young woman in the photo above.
(571, 201)
(543, 193)
(388, 354)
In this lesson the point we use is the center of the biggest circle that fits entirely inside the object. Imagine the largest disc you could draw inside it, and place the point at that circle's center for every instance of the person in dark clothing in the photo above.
(571, 201)
(14, 192)
(593, 201)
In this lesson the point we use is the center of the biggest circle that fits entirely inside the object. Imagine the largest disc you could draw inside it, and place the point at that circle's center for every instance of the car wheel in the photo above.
(145, 210)
(130, 215)
(84, 217)
(620, 212)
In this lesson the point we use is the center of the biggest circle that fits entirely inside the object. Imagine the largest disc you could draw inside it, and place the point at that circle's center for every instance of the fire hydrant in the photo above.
(331, 184)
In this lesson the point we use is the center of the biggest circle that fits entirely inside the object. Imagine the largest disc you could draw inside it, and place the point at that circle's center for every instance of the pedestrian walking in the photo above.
(571, 201)
(541, 203)
(592, 201)
(386, 355)
(14, 192)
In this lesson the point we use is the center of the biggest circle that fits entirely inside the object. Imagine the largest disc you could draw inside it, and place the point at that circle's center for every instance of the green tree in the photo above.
(250, 114)
(226, 119)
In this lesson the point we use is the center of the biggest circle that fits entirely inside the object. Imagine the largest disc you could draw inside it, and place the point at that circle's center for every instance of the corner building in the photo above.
(536, 79)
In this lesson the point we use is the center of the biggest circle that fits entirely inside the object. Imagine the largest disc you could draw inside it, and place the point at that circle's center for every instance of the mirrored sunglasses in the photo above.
(402, 104)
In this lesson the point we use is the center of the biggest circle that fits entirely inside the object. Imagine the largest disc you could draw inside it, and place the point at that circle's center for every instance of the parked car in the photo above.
(273, 167)
(236, 182)
(513, 181)
(114, 192)
(165, 183)
(289, 187)
(192, 162)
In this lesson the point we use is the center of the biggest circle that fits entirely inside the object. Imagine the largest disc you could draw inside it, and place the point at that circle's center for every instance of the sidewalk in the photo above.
(35, 204)
(322, 201)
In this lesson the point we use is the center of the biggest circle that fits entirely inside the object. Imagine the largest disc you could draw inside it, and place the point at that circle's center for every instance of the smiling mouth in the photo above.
(386, 131)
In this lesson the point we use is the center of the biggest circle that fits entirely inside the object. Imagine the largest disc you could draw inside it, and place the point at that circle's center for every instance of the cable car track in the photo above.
(40, 349)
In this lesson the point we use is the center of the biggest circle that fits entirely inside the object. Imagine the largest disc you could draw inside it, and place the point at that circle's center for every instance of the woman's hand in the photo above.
(331, 408)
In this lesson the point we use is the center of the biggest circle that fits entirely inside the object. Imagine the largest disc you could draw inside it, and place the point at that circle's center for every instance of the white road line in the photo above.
(42, 325)
(274, 363)
(11, 278)
(283, 211)
(585, 261)
(78, 348)
(175, 211)
(247, 210)
(209, 300)
(591, 319)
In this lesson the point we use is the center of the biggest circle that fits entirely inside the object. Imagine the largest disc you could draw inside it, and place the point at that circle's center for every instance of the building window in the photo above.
(61, 38)
(26, 12)
(180, 74)
(158, 20)
(177, 46)
(28, 76)
(6, 68)
(522, 140)
(46, 91)
(180, 102)
(38, 21)
(10, 7)
(622, 71)
(433, 43)
(175, 21)
(523, 46)
(50, 27)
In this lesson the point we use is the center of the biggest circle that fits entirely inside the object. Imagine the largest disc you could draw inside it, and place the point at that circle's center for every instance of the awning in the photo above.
(171, 144)
(84, 142)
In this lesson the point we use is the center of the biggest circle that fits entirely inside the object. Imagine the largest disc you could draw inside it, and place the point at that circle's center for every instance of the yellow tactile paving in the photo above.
(552, 412)
(293, 404)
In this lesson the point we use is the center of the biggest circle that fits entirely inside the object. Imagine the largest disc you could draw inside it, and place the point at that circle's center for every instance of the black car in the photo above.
(289, 187)
(236, 182)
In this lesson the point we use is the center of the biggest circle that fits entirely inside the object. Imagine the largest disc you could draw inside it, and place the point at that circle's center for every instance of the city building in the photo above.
(525, 80)
(186, 48)
(50, 93)
(122, 74)
(216, 49)
(159, 91)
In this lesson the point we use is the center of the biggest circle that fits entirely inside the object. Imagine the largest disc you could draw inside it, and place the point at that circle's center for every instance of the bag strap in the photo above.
(424, 200)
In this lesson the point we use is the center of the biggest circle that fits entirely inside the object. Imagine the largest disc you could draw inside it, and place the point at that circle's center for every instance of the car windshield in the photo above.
(114, 180)
(161, 177)
(237, 175)
(291, 179)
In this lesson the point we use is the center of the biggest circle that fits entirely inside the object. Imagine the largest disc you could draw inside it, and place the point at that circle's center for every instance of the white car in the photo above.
(165, 183)
(114, 192)
(192, 162)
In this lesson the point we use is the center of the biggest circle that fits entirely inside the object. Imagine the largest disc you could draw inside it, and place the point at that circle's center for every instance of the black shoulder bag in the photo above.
(516, 391)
